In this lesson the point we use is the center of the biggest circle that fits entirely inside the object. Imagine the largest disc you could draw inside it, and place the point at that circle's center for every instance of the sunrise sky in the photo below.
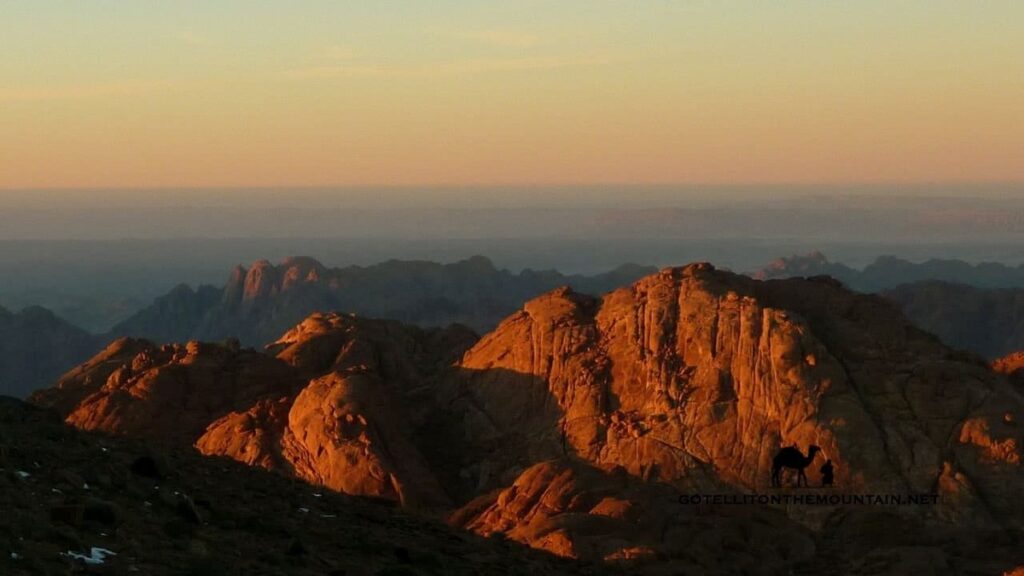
(261, 93)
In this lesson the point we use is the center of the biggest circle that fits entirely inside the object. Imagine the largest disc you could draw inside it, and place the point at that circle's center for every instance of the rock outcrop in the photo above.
(333, 401)
(606, 515)
(577, 424)
(1012, 364)
(694, 375)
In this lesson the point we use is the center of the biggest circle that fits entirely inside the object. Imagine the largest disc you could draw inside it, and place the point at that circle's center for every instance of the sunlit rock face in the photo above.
(575, 424)
(1012, 364)
(606, 515)
(326, 403)
(695, 375)
(168, 391)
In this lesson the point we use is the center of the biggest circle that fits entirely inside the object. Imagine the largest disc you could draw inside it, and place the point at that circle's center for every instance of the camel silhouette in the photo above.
(791, 457)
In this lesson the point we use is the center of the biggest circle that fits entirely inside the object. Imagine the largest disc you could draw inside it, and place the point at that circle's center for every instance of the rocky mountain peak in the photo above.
(578, 408)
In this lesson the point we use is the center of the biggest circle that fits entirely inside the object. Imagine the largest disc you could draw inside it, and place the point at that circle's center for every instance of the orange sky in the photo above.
(586, 91)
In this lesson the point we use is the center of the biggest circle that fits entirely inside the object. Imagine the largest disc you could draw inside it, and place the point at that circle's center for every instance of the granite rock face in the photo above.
(694, 376)
(577, 423)
(326, 403)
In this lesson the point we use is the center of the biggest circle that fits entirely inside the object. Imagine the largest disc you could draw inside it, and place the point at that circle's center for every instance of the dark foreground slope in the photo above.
(65, 491)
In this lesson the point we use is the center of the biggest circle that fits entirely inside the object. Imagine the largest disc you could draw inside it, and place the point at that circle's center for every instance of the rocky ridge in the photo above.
(261, 301)
(574, 423)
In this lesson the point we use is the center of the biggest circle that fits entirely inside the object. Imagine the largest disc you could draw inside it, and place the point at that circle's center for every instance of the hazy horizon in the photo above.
(808, 215)
(148, 144)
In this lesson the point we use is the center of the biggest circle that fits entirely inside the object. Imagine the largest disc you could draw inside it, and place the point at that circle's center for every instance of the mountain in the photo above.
(260, 302)
(36, 347)
(989, 322)
(170, 316)
(979, 308)
(806, 266)
(172, 512)
(583, 425)
(887, 272)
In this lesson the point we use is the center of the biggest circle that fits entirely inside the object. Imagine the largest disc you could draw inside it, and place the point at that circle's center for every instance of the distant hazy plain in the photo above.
(60, 248)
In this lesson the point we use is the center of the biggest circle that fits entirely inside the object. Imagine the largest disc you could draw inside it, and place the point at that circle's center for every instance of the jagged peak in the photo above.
(304, 261)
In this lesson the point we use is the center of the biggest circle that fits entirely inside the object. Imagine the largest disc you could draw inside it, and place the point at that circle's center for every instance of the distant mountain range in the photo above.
(889, 271)
(974, 307)
(983, 313)
(258, 303)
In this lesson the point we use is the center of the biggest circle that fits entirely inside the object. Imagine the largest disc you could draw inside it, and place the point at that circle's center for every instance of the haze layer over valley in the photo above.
(95, 257)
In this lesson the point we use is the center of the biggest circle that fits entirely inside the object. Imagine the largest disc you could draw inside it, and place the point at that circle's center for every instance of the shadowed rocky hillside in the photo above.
(172, 512)
(989, 322)
(577, 423)
(36, 347)
(979, 308)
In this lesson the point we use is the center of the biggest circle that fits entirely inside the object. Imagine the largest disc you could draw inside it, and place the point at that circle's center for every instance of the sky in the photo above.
(231, 93)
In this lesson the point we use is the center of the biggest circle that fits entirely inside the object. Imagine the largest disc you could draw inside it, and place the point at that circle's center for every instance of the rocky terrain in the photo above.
(577, 423)
(67, 496)
(260, 302)
(1012, 364)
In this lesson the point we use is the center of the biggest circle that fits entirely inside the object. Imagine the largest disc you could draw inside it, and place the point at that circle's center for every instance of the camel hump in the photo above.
(788, 453)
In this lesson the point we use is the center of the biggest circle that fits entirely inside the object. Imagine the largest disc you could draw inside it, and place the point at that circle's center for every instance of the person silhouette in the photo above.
(827, 473)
